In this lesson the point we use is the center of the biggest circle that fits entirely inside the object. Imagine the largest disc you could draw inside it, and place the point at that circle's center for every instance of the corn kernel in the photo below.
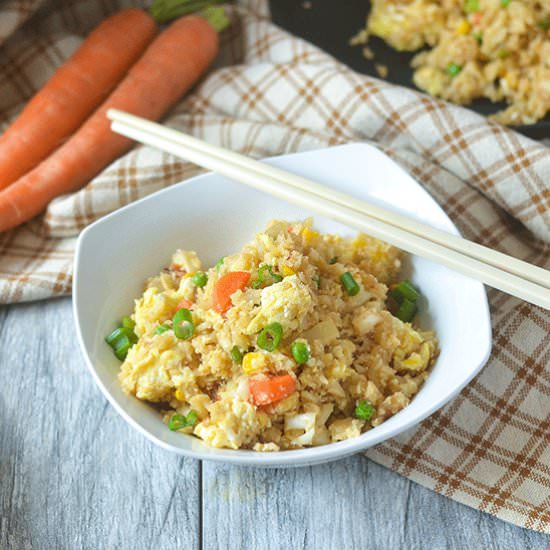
(512, 80)
(463, 27)
(359, 242)
(254, 362)
(309, 235)
(179, 396)
(414, 361)
(287, 271)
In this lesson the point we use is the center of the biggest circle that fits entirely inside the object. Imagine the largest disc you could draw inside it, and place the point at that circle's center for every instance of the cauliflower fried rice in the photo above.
(498, 49)
(287, 344)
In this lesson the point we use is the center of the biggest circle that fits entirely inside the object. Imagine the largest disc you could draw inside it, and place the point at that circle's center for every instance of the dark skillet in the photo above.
(330, 24)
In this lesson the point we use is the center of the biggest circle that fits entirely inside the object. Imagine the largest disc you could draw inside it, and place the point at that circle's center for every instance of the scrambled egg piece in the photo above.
(286, 302)
(153, 308)
(153, 367)
(233, 422)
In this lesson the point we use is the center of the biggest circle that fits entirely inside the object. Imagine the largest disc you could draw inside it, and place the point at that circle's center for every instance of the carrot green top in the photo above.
(164, 11)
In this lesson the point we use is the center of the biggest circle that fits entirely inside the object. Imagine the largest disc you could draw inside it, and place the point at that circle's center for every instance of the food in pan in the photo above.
(496, 49)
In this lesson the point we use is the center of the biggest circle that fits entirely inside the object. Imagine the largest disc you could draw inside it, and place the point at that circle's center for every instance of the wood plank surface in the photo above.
(349, 504)
(74, 475)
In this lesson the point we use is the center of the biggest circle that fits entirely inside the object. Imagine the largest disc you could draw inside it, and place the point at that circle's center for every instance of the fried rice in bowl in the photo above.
(294, 340)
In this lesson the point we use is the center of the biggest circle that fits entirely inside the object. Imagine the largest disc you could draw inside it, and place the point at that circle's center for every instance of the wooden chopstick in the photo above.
(523, 280)
(487, 255)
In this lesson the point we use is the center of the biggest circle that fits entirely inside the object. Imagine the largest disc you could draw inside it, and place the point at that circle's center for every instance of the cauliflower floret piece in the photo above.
(360, 388)
(325, 331)
(304, 425)
(186, 260)
(286, 405)
(322, 436)
(346, 428)
(266, 447)
(286, 302)
(200, 403)
(342, 358)
(365, 319)
(390, 406)
(187, 289)
(373, 394)
(308, 428)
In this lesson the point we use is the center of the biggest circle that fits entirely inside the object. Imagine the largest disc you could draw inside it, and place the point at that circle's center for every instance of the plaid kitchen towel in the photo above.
(271, 93)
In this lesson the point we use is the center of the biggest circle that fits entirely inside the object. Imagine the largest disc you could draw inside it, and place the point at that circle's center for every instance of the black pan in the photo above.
(330, 23)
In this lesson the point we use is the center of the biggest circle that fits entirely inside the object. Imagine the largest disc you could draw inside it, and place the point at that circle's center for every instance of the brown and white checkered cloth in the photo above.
(271, 93)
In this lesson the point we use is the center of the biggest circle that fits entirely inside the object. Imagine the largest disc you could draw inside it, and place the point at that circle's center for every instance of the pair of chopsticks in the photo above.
(513, 276)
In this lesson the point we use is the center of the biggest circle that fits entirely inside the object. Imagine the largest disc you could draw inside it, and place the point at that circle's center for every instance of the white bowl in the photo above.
(215, 217)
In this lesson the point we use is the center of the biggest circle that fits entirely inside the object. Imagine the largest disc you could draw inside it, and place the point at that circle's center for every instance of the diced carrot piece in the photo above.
(184, 304)
(226, 286)
(264, 391)
(477, 17)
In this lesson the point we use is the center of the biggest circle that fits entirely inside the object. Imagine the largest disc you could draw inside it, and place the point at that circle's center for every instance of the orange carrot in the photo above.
(264, 391)
(226, 286)
(184, 304)
(75, 90)
(173, 62)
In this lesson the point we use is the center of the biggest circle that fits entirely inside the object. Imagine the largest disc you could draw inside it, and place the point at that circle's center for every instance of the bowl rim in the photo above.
(286, 458)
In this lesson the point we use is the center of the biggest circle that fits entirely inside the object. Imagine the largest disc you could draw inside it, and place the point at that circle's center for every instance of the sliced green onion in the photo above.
(471, 6)
(183, 324)
(200, 278)
(118, 333)
(115, 335)
(270, 337)
(333, 260)
(236, 354)
(122, 349)
(220, 263)
(300, 352)
(128, 323)
(317, 280)
(406, 311)
(350, 284)
(478, 35)
(276, 277)
(178, 421)
(364, 410)
(453, 69)
(121, 340)
(161, 329)
(262, 274)
(406, 296)
(504, 3)
(404, 289)
(503, 54)
(544, 24)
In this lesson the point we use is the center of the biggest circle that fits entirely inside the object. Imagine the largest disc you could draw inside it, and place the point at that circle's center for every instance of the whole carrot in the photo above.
(173, 62)
(75, 90)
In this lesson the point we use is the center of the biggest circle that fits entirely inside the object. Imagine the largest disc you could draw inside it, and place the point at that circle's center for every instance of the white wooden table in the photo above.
(74, 475)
